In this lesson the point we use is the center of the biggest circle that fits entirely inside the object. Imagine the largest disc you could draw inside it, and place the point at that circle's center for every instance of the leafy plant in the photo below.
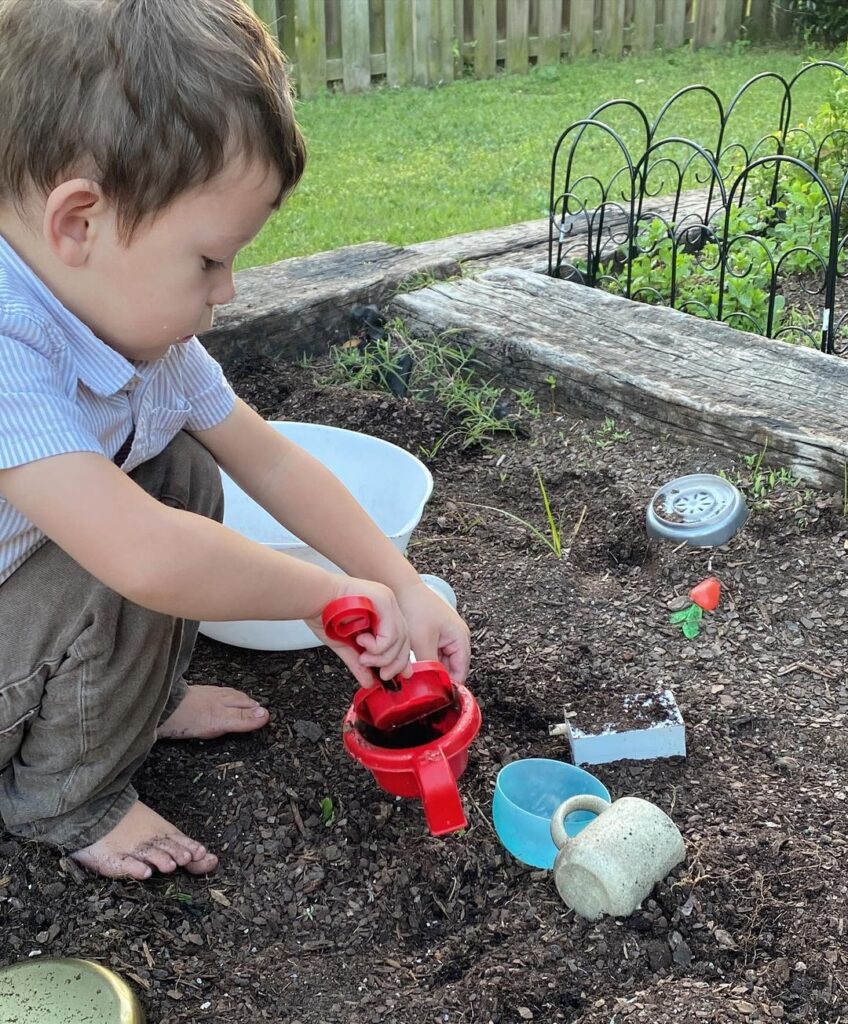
(550, 380)
(760, 481)
(174, 892)
(825, 20)
(526, 400)
(431, 369)
(328, 812)
(550, 538)
(606, 435)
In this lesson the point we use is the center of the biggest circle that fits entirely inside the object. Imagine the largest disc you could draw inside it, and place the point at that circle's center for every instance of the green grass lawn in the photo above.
(402, 166)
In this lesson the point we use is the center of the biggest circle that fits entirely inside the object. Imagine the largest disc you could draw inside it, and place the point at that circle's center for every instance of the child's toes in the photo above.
(204, 865)
(176, 847)
(247, 719)
(157, 857)
(111, 866)
(131, 867)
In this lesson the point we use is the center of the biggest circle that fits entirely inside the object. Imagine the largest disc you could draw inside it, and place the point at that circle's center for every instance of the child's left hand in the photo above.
(436, 632)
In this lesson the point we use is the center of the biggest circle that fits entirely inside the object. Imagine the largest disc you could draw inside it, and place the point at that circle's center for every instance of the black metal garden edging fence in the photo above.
(761, 244)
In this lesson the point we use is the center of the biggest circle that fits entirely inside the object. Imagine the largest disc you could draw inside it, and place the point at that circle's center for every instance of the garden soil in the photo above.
(365, 918)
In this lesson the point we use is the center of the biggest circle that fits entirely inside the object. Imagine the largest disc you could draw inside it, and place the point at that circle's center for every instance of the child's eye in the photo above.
(211, 264)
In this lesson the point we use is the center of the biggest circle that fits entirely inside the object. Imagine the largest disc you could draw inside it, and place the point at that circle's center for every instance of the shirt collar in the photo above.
(103, 370)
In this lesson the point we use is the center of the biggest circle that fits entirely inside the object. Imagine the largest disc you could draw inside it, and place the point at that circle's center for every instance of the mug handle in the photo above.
(583, 802)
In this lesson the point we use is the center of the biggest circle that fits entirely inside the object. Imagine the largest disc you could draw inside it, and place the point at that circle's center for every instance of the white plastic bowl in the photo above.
(391, 485)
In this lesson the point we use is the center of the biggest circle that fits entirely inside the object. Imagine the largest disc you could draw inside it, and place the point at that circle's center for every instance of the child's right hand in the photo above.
(388, 651)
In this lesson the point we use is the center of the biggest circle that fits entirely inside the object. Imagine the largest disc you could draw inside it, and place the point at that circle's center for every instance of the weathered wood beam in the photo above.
(675, 374)
(303, 304)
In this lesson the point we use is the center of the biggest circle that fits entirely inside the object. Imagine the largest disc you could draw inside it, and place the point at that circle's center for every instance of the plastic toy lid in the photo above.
(701, 510)
(403, 701)
(66, 992)
(387, 704)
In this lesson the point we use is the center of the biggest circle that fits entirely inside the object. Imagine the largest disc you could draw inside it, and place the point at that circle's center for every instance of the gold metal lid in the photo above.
(65, 992)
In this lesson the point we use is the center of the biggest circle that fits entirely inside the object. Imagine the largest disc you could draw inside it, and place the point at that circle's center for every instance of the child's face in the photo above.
(162, 287)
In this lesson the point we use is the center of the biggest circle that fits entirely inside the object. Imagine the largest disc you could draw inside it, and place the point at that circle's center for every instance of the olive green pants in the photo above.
(86, 676)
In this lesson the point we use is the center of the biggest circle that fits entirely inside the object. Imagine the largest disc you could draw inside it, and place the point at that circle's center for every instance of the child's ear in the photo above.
(71, 220)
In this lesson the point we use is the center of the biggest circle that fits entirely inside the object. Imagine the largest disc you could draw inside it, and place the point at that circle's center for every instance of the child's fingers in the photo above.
(457, 658)
(395, 667)
(390, 655)
(391, 662)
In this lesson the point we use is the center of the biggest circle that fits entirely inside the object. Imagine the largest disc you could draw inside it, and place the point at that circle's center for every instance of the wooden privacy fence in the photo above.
(353, 43)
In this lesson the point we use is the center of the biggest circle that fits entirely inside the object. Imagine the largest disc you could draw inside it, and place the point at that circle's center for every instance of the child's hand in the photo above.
(437, 633)
(388, 651)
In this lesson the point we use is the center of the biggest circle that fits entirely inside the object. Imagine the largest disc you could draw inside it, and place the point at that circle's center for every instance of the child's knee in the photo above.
(205, 493)
(184, 475)
(19, 703)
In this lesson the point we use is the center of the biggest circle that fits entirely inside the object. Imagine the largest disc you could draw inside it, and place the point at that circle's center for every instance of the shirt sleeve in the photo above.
(38, 418)
(206, 388)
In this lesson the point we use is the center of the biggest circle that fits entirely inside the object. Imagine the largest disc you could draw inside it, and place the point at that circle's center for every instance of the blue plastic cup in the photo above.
(527, 793)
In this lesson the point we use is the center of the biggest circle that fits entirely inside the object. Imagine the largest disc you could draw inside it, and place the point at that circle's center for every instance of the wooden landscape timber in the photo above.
(302, 305)
(672, 373)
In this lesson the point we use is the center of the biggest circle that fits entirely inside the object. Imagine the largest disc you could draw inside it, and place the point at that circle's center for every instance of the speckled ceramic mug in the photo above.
(614, 862)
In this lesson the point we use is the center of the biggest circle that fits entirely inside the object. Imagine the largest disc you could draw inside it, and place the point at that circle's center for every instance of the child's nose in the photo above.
(224, 291)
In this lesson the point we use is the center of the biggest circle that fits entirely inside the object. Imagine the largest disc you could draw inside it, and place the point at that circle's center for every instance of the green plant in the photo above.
(369, 367)
(760, 482)
(825, 20)
(416, 281)
(431, 451)
(550, 380)
(429, 369)
(551, 538)
(174, 892)
(328, 812)
(526, 400)
(606, 435)
(554, 532)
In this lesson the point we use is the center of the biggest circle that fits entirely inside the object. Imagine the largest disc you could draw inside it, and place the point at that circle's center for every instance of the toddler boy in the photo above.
(142, 144)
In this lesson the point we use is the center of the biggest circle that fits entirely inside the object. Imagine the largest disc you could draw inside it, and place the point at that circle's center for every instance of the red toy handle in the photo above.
(439, 793)
(345, 618)
(387, 703)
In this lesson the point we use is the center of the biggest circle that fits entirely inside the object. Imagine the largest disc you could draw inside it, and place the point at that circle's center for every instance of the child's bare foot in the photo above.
(141, 842)
(210, 711)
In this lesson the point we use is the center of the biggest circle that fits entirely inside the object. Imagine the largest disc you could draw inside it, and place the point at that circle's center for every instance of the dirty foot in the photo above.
(144, 842)
(210, 711)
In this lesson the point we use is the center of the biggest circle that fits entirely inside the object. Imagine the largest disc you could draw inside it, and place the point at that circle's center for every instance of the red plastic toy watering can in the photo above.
(412, 734)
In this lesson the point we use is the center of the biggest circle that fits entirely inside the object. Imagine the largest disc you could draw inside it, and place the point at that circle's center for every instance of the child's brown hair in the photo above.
(148, 97)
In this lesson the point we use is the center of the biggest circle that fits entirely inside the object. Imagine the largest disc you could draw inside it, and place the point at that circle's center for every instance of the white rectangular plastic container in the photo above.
(664, 738)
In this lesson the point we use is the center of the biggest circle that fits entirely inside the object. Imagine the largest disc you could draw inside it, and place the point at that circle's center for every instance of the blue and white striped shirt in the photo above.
(64, 390)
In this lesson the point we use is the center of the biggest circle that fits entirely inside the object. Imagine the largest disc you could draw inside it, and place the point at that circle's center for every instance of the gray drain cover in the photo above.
(701, 510)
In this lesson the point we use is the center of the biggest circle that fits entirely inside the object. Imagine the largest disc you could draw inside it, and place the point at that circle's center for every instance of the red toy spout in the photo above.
(706, 594)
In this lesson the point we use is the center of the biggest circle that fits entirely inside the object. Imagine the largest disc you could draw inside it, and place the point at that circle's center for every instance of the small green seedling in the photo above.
(328, 812)
(606, 435)
(174, 892)
(551, 381)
